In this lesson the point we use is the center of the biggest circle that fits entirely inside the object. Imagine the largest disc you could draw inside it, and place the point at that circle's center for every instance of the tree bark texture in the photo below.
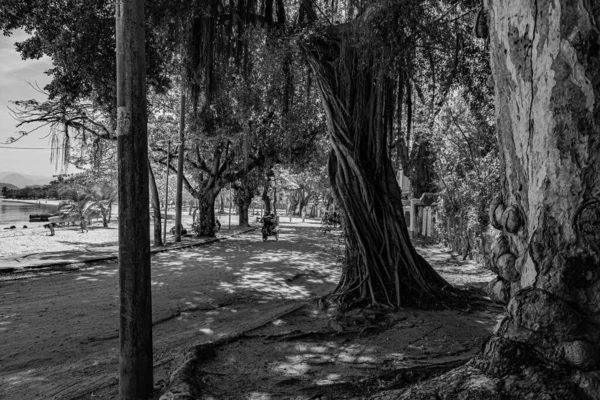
(135, 362)
(155, 207)
(204, 225)
(381, 266)
(546, 64)
(243, 198)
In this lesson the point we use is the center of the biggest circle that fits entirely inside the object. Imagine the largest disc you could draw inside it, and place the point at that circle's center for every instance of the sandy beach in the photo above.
(36, 239)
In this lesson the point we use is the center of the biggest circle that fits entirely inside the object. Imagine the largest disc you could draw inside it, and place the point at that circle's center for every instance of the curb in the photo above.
(184, 384)
(62, 263)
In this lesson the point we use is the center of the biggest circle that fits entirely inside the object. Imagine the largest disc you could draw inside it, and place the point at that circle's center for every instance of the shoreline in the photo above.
(50, 202)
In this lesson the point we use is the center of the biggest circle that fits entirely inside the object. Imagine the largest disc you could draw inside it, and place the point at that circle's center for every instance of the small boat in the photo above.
(40, 217)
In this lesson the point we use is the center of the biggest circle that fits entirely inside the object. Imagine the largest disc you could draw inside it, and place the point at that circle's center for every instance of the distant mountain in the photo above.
(8, 186)
(22, 180)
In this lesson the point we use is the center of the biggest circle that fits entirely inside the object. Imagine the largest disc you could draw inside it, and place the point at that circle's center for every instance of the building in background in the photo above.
(419, 214)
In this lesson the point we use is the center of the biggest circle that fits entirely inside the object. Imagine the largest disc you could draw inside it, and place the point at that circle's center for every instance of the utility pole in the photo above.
(167, 190)
(135, 319)
(178, 196)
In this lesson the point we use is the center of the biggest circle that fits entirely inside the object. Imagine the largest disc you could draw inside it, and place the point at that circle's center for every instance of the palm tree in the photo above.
(85, 201)
(103, 196)
(78, 203)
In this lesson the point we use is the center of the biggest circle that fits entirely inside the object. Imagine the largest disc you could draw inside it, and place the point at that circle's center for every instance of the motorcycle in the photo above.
(270, 227)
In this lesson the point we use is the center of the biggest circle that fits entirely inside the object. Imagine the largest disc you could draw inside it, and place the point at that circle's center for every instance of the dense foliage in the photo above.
(467, 171)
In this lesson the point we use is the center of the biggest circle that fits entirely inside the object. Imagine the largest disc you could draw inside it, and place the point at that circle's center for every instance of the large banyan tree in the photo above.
(361, 68)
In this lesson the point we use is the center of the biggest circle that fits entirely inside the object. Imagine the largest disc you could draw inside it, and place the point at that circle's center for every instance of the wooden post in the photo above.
(135, 339)
(178, 196)
(229, 207)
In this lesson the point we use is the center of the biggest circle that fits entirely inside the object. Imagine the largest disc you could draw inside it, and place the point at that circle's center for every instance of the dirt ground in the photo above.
(313, 353)
(259, 300)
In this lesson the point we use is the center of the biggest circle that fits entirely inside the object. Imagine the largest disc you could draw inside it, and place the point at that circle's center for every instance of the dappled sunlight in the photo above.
(3, 325)
(268, 284)
(107, 273)
(330, 379)
(272, 270)
(258, 396)
(292, 368)
(454, 269)
(302, 356)
(86, 278)
(22, 378)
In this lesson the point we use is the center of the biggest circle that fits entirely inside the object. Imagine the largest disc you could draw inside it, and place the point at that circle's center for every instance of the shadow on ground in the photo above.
(311, 354)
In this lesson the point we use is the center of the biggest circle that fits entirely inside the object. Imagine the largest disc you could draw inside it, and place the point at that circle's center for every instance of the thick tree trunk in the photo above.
(204, 224)
(546, 64)
(381, 266)
(242, 199)
(155, 207)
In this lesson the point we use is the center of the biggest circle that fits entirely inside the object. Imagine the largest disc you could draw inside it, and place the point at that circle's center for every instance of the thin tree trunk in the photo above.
(179, 187)
(266, 200)
(155, 208)
(135, 361)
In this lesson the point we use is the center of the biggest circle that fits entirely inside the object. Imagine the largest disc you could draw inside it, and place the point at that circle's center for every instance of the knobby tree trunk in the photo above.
(546, 63)
(155, 207)
(381, 266)
(135, 337)
(546, 66)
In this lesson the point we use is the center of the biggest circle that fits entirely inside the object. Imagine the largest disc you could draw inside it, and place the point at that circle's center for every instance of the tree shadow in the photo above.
(310, 354)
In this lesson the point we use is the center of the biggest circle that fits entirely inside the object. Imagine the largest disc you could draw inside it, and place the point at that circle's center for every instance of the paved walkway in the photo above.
(32, 261)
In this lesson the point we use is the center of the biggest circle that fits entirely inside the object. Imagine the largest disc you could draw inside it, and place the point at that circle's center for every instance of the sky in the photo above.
(16, 75)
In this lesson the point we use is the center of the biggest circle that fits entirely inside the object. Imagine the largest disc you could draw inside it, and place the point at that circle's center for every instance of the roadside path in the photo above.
(59, 330)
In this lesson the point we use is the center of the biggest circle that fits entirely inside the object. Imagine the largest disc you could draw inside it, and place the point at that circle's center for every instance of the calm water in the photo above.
(13, 212)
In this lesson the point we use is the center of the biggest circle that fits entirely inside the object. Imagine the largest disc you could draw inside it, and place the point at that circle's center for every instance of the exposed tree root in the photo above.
(185, 382)
(400, 378)
(503, 371)
(470, 383)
